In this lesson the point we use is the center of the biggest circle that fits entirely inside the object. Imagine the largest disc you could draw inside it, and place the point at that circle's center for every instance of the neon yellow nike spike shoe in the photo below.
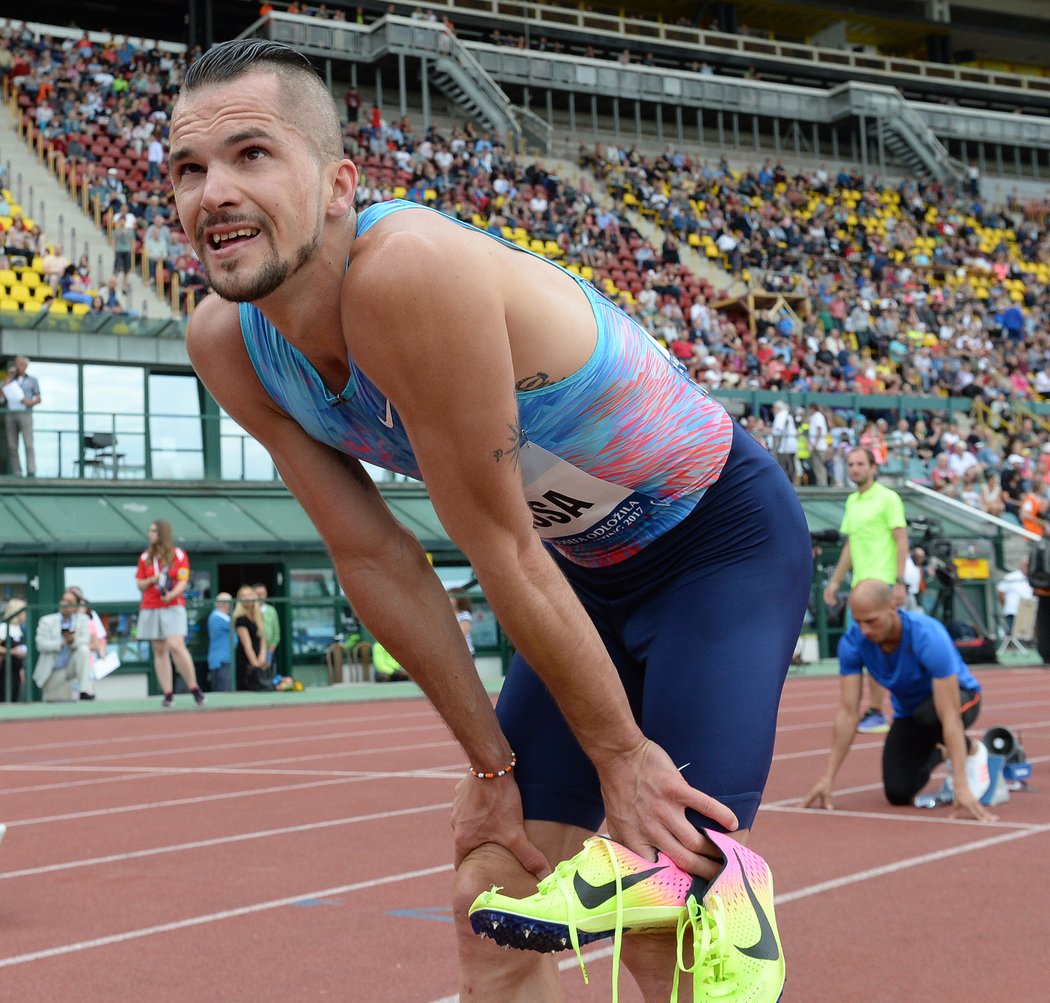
(735, 949)
(605, 890)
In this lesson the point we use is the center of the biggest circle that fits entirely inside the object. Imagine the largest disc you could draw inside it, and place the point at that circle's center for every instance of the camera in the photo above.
(930, 536)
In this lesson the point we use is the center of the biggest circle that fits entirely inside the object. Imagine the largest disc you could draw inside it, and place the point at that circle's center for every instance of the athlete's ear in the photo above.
(344, 188)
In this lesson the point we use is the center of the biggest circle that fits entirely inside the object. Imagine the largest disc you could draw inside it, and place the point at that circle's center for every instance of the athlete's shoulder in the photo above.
(216, 322)
(420, 256)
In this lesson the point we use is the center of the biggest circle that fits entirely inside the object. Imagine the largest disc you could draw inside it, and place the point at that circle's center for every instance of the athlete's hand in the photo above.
(831, 596)
(820, 796)
(645, 800)
(966, 804)
(489, 811)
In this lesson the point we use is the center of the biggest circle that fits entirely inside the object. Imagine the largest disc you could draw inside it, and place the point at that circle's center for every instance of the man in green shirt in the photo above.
(271, 622)
(876, 547)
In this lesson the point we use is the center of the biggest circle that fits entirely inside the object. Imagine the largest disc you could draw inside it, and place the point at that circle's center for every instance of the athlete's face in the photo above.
(878, 623)
(248, 187)
(859, 468)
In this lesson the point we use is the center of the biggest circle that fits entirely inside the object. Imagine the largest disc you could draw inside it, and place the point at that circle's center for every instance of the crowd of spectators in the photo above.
(911, 289)
(103, 108)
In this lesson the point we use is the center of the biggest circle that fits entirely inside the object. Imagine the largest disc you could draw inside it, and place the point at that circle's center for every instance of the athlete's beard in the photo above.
(268, 279)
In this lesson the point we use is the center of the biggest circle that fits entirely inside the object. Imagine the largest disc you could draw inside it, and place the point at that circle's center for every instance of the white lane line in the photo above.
(276, 725)
(216, 917)
(914, 817)
(206, 798)
(899, 865)
(145, 772)
(114, 858)
(184, 750)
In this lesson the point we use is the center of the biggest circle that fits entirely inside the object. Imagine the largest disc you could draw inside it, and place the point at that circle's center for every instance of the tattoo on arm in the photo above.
(515, 440)
(534, 382)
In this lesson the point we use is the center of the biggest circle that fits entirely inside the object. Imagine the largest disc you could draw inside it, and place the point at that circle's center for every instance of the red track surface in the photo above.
(302, 853)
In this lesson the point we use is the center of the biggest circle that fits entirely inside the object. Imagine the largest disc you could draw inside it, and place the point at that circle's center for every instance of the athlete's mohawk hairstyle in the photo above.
(229, 60)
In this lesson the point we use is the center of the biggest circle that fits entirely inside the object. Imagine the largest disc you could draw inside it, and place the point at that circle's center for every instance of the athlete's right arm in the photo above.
(843, 730)
(381, 566)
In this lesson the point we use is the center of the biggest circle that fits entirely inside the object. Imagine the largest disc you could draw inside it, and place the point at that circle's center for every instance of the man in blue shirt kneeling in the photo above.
(935, 698)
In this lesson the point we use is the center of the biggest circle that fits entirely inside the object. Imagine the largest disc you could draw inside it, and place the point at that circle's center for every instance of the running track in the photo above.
(302, 853)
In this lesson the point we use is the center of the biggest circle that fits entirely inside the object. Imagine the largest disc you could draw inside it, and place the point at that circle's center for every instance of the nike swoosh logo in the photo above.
(765, 948)
(388, 418)
(593, 896)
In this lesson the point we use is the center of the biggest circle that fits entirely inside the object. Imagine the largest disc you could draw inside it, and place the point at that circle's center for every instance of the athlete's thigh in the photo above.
(718, 645)
(558, 783)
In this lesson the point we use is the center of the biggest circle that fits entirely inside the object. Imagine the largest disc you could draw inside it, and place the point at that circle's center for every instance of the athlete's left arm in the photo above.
(439, 307)
(949, 712)
(900, 538)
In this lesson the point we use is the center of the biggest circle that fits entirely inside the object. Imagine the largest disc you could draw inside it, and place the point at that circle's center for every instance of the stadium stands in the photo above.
(873, 288)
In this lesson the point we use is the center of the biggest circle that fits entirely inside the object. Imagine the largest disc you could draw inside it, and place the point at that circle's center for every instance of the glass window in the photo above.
(318, 609)
(113, 584)
(114, 404)
(176, 448)
(242, 457)
(56, 419)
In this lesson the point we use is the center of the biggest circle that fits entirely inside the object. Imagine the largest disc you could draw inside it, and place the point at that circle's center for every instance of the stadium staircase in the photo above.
(462, 79)
(46, 201)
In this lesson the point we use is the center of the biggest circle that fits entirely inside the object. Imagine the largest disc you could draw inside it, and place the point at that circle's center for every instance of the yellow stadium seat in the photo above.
(507, 232)
(693, 240)
(8, 305)
(20, 293)
(536, 246)
(587, 273)
(57, 306)
(8, 278)
(30, 279)
(79, 309)
(629, 199)
(41, 293)
(400, 192)
(552, 250)
(430, 195)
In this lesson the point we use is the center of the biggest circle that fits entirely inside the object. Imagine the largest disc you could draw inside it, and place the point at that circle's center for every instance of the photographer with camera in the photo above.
(162, 575)
(63, 642)
(935, 699)
(876, 547)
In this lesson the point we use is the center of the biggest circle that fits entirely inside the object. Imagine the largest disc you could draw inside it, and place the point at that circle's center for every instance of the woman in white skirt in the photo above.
(162, 576)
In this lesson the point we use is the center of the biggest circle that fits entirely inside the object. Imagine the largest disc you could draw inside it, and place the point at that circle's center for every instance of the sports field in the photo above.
(299, 849)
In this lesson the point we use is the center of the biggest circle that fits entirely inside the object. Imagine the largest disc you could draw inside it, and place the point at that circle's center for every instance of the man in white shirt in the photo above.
(1012, 588)
(785, 440)
(21, 394)
(960, 460)
(818, 445)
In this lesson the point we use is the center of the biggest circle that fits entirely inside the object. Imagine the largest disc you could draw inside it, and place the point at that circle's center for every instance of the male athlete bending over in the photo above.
(607, 506)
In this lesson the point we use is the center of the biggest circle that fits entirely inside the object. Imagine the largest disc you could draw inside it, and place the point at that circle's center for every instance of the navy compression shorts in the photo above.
(701, 626)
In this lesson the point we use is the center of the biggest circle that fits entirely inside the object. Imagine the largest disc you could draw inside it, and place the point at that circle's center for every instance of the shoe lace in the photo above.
(560, 879)
(707, 930)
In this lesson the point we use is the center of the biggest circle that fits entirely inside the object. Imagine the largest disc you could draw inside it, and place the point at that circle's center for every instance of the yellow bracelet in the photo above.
(499, 773)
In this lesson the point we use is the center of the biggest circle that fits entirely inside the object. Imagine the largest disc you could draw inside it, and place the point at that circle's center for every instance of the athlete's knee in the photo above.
(482, 868)
(650, 958)
(898, 793)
